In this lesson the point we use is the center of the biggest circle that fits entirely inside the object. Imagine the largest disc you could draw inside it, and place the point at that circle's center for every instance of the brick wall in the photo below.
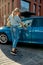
(17, 4)
(1, 22)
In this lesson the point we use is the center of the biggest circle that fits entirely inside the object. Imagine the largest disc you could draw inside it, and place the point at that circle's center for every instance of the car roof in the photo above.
(27, 18)
(36, 17)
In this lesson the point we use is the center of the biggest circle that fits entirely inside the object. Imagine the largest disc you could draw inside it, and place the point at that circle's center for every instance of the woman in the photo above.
(14, 21)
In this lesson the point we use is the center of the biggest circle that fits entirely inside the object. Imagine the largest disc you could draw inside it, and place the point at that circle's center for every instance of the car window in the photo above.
(34, 23)
(28, 22)
(40, 22)
(37, 22)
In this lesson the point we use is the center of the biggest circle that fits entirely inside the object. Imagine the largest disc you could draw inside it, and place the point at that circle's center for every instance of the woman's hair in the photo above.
(15, 10)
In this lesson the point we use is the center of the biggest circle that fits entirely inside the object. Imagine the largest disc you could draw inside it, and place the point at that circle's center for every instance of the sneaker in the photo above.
(13, 53)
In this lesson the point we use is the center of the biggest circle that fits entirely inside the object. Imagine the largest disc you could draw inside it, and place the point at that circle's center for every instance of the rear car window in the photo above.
(34, 23)
(40, 22)
(37, 22)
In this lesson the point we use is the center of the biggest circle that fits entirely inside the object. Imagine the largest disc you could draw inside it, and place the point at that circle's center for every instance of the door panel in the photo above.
(37, 31)
(40, 35)
(35, 35)
(26, 35)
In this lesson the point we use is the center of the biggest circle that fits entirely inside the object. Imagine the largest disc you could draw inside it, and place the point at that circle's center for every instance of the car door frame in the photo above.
(29, 28)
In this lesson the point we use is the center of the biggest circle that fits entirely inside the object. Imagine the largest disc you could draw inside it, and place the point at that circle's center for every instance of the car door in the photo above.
(35, 31)
(26, 34)
(40, 30)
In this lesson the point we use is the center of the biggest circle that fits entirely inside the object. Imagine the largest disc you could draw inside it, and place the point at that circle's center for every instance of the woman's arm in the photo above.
(8, 22)
(22, 24)
(19, 21)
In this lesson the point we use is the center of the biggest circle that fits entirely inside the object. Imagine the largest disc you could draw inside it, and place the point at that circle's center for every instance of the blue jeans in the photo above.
(15, 33)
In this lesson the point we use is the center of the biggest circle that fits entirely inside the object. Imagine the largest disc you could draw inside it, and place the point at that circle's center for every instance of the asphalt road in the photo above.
(25, 55)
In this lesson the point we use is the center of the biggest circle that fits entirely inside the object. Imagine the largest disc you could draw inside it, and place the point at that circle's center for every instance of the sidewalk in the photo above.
(4, 60)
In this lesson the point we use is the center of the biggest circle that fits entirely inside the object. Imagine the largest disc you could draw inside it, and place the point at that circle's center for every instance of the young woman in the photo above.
(14, 21)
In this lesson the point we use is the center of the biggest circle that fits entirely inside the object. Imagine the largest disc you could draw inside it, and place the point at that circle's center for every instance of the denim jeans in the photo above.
(15, 33)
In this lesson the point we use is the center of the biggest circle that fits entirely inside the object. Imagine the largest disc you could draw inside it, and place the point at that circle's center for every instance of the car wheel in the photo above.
(3, 38)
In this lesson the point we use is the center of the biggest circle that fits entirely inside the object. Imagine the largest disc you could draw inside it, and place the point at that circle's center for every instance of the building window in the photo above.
(12, 4)
(8, 8)
(39, 10)
(25, 6)
(34, 8)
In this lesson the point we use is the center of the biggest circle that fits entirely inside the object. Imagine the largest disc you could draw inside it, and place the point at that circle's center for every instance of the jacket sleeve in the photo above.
(18, 19)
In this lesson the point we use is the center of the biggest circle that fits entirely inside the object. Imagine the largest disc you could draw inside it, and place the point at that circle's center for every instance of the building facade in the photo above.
(7, 6)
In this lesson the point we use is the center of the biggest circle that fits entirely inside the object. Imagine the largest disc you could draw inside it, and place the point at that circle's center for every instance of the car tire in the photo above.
(3, 38)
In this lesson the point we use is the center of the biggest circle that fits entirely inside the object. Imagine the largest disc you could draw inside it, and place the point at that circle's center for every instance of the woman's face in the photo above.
(16, 13)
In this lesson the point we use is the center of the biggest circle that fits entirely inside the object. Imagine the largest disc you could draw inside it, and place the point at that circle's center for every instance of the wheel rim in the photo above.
(3, 38)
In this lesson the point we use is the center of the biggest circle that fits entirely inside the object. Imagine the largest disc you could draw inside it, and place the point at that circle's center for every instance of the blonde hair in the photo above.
(16, 10)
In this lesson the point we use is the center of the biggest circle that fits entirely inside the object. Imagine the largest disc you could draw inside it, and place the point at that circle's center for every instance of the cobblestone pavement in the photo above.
(25, 56)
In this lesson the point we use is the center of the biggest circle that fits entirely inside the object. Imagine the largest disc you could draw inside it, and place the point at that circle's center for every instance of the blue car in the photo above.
(32, 34)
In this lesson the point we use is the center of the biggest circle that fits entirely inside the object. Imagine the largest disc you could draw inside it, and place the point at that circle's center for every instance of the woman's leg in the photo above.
(15, 38)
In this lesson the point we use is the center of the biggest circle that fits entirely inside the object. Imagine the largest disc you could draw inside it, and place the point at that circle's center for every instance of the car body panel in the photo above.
(30, 35)
(26, 35)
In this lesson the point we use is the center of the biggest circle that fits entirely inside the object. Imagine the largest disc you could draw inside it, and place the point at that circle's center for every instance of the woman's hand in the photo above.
(23, 25)
(8, 22)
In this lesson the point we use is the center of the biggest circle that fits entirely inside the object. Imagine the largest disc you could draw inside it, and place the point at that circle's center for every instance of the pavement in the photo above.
(25, 56)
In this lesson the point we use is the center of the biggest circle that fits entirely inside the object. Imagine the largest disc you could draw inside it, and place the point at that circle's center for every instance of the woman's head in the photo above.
(16, 11)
